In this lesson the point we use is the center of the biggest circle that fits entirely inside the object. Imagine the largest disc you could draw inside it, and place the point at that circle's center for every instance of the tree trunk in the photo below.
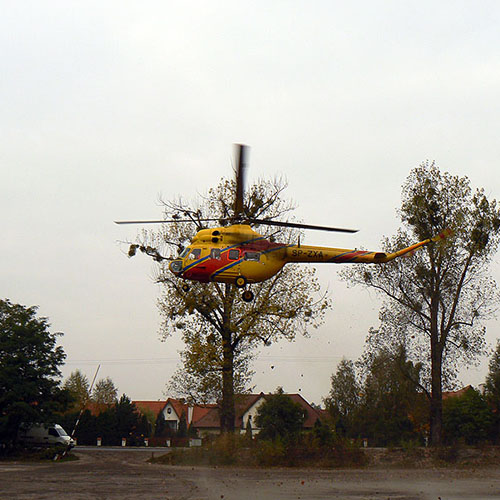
(436, 409)
(227, 411)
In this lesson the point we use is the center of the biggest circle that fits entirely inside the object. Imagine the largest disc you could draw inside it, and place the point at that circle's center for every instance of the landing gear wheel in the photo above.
(247, 296)
(240, 282)
(185, 287)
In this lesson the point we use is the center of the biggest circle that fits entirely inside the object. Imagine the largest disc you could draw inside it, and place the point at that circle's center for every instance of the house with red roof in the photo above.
(457, 394)
(205, 418)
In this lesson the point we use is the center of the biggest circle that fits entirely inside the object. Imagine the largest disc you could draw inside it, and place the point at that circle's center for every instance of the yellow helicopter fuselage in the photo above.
(238, 254)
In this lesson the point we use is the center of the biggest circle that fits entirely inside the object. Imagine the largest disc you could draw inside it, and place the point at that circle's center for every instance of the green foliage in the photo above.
(86, 432)
(77, 384)
(127, 418)
(33, 454)
(323, 434)
(280, 418)
(390, 398)
(105, 392)
(492, 391)
(492, 382)
(385, 407)
(230, 449)
(29, 370)
(344, 398)
(468, 418)
(121, 420)
(182, 430)
(248, 429)
(271, 453)
(161, 428)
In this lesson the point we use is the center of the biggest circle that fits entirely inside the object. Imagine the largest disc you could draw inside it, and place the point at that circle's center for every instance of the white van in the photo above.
(44, 435)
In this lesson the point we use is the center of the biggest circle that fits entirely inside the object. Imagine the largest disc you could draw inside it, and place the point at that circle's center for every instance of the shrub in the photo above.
(467, 417)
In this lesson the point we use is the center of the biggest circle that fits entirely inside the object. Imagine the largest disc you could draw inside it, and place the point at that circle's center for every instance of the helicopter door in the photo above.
(233, 257)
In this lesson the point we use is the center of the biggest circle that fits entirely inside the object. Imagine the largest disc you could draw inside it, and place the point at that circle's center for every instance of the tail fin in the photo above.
(442, 235)
(411, 250)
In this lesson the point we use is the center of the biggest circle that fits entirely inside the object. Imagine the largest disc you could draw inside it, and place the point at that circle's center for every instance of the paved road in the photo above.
(125, 474)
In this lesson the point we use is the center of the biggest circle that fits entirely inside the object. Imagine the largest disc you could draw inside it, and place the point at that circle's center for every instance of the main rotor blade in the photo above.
(241, 164)
(301, 226)
(165, 221)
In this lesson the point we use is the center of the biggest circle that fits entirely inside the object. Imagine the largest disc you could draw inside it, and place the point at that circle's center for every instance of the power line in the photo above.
(151, 361)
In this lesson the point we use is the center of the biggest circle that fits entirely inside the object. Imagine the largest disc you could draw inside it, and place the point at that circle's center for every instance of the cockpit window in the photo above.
(195, 254)
(184, 253)
(234, 254)
(252, 256)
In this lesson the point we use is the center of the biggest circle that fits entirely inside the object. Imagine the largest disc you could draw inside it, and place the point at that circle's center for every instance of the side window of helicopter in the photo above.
(255, 256)
(234, 254)
(195, 254)
(184, 253)
(215, 253)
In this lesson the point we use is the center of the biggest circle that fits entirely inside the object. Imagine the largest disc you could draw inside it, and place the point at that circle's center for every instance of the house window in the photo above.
(172, 424)
(169, 410)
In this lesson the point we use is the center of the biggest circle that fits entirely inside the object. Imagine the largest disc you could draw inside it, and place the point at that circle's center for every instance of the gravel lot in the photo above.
(125, 474)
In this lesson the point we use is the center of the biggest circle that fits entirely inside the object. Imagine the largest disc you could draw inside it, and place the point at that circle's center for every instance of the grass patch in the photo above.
(37, 455)
(238, 451)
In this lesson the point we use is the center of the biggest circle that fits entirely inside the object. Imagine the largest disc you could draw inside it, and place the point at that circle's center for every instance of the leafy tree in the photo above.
(323, 433)
(29, 370)
(85, 433)
(280, 418)
(105, 392)
(144, 428)
(192, 431)
(182, 430)
(390, 402)
(127, 417)
(248, 429)
(220, 331)
(344, 398)
(151, 418)
(383, 404)
(77, 384)
(492, 383)
(492, 389)
(467, 417)
(435, 302)
(199, 379)
(106, 427)
(161, 428)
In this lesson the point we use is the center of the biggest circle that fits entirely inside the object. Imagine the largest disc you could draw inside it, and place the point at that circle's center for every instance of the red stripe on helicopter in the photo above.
(348, 256)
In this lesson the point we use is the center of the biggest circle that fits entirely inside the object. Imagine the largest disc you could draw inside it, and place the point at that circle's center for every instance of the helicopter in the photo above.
(238, 255)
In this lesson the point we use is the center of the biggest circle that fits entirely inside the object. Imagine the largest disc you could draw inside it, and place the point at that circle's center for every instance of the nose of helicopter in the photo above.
(176, 266)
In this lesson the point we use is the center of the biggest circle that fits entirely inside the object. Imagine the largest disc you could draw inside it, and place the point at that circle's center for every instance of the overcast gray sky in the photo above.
(105, 105)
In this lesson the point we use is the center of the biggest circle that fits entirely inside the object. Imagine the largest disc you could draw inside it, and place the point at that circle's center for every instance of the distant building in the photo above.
(205, 418)
(457, 394)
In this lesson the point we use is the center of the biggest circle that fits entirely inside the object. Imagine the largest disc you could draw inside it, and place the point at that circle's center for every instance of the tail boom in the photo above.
(343, 256)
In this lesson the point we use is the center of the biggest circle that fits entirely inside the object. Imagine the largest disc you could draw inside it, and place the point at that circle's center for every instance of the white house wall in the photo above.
(252, 413)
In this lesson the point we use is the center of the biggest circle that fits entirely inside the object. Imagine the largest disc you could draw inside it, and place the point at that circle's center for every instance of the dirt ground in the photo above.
(125, 474)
